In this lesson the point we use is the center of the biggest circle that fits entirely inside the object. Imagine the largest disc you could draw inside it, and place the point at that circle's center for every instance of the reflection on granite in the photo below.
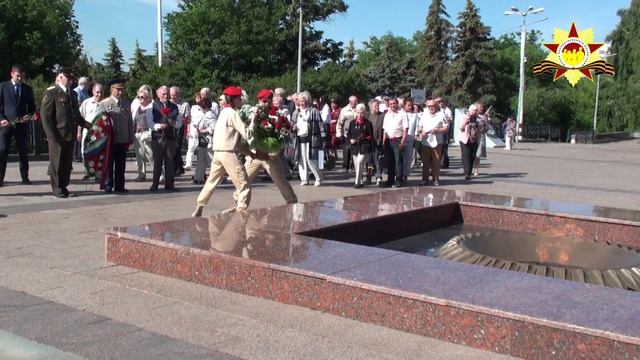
(273, 253)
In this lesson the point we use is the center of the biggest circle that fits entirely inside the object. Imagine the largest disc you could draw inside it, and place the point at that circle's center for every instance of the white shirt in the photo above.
(302, 122)
(448, 115)
(347, 114)
(394, 124)
(88, 108)
(429, 122)
(326, 114)
(184, 110)
(413, 123)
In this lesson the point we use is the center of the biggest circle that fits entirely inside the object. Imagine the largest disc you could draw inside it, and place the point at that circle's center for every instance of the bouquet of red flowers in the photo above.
(269, 129)
(26, 118)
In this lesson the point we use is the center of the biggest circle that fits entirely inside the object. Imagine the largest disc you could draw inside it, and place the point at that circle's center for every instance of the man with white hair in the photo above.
(347, 114)
(82, 91)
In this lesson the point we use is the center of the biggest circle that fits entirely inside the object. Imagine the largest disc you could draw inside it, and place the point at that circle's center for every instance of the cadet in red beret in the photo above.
(272, 164)
(265, 94)
(227, 136)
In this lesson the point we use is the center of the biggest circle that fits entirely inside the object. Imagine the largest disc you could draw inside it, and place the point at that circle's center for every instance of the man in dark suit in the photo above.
(60, 120)
(16, 101)
(163, 139)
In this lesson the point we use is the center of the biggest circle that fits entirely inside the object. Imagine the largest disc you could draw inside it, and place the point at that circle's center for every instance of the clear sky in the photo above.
(136, 19)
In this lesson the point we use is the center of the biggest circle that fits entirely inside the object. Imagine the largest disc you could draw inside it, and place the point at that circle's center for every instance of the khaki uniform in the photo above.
(273, 166)
(227, 136)
(60, 120)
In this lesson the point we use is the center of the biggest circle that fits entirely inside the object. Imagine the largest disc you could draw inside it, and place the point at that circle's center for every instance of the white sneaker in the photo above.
(317, 183)
(303, 183)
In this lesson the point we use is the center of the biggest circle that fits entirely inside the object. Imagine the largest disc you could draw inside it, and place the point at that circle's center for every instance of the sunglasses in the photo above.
(141, 97)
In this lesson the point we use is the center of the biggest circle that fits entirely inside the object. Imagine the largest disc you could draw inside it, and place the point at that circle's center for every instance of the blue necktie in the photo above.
(16, 87)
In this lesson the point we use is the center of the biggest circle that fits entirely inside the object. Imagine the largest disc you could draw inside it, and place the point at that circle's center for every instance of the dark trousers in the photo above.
(21, 133)
(117, 167)
(163, 153)
(77, 149)
(393, 157)
(468, 155)
(177, 158)
(346, 154)
(444, 159)
(60, 162)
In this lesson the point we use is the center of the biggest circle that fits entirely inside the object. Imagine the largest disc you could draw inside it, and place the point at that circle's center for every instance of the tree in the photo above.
(38, 34)
(620, 98)
(113, 61)
(137, 64)
(435, 53)
(470, 75)
(243, 39)
(349, 57)
(391, 70)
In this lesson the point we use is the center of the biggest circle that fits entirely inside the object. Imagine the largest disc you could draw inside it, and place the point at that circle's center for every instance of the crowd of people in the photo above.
(386, 135)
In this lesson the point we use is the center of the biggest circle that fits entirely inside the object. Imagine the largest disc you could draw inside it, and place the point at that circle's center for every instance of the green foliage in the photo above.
(389, 63)
(113, 62)
(38, 34)
(620, 96)
(223, 42)
(435, 50)
(470, 76)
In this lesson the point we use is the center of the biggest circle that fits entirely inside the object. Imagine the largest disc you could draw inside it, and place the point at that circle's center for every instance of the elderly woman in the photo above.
(141, 111)
(203, 125)
(360, 137)
(311, 137)
(469, 134)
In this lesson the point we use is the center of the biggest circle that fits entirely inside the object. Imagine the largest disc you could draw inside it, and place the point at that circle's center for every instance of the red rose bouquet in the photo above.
(269, 130)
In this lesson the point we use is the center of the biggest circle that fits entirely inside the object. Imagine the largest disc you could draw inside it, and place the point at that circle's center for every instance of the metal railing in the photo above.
(542, 132)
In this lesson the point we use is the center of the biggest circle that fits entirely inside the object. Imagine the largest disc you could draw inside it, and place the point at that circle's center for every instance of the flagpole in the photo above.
(159, 32)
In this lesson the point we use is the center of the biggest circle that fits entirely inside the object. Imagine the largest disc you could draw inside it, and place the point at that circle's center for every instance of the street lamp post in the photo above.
(159, 32)
(523, 36)
(299, 82)
(595, 111)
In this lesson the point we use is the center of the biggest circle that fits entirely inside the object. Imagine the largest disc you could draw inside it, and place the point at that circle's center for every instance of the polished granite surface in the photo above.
(270, 239)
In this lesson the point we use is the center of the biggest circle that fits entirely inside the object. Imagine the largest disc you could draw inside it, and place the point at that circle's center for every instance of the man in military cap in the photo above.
(119, 110)
(60, 120)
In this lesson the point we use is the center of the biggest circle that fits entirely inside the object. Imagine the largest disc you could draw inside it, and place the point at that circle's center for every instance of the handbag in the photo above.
(203, 141)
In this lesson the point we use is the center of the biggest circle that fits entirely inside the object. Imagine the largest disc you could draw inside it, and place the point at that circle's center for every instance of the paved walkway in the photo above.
(53, 268)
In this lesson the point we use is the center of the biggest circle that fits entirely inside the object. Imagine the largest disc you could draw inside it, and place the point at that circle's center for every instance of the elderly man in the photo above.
(60, 120)
(229, 131)
(165, 121)
(16, 101)
(377, 117)
(396, 128)
(347, 114)
(82, 90)
(88, 109)
(448, 117)
(184, 113)
(119, 110)
(431, 129)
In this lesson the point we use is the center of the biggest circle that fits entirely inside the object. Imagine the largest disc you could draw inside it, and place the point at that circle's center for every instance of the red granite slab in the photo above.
(262, 253)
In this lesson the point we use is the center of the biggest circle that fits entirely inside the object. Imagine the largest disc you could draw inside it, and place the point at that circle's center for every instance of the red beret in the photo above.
(265, 94)
(233, 91)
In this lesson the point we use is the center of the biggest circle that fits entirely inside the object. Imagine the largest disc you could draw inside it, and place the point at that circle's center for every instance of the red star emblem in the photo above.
(573, 33)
